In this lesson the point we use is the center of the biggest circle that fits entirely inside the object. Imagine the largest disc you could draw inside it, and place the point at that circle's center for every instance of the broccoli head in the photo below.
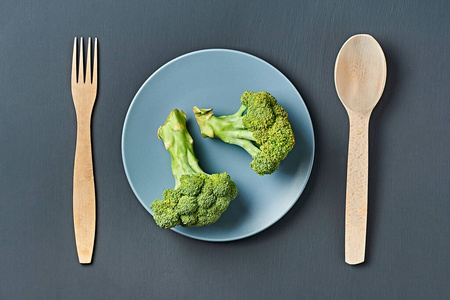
(198, 199)
(260, 126)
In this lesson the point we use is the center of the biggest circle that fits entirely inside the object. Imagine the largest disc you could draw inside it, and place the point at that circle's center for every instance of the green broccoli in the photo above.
(260, 126)
(198, 199)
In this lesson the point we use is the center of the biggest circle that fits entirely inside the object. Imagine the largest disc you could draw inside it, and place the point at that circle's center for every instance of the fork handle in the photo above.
(84, 193)
(357, 187)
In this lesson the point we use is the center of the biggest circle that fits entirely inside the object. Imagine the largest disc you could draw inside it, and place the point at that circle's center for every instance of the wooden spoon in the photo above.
(359, 75)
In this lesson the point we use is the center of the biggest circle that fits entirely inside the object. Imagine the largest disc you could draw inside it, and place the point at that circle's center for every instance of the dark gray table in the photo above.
(302, 255)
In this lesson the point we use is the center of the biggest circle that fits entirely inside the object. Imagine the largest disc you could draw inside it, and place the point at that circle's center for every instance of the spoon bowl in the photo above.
(360, 76)
(360, 73)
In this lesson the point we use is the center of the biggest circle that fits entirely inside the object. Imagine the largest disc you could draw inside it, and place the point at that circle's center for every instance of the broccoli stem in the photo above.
(229, 129)
(179, 143)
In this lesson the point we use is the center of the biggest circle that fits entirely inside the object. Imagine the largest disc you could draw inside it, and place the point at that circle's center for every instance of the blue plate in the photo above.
(216, 78)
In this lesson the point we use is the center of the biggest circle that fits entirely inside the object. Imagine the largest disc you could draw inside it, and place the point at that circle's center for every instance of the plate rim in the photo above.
(308, 174)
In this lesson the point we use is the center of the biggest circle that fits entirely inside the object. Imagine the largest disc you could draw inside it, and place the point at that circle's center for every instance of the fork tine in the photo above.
(74, 62)
(88, 62)
(94, 73)
(81, 63)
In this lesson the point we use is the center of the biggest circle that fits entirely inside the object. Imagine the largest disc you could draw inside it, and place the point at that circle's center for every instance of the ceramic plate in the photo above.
(216, 78)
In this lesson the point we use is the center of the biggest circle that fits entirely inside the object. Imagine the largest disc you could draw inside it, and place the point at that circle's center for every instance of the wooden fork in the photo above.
(84, 93)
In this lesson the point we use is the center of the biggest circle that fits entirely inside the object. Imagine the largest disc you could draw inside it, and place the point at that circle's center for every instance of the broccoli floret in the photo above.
(198, 199)
(260, 126)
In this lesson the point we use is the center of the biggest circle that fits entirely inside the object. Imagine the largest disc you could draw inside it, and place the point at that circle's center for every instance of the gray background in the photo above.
(302, 255)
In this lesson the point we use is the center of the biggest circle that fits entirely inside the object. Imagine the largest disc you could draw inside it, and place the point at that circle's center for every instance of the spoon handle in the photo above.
(357, 181)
